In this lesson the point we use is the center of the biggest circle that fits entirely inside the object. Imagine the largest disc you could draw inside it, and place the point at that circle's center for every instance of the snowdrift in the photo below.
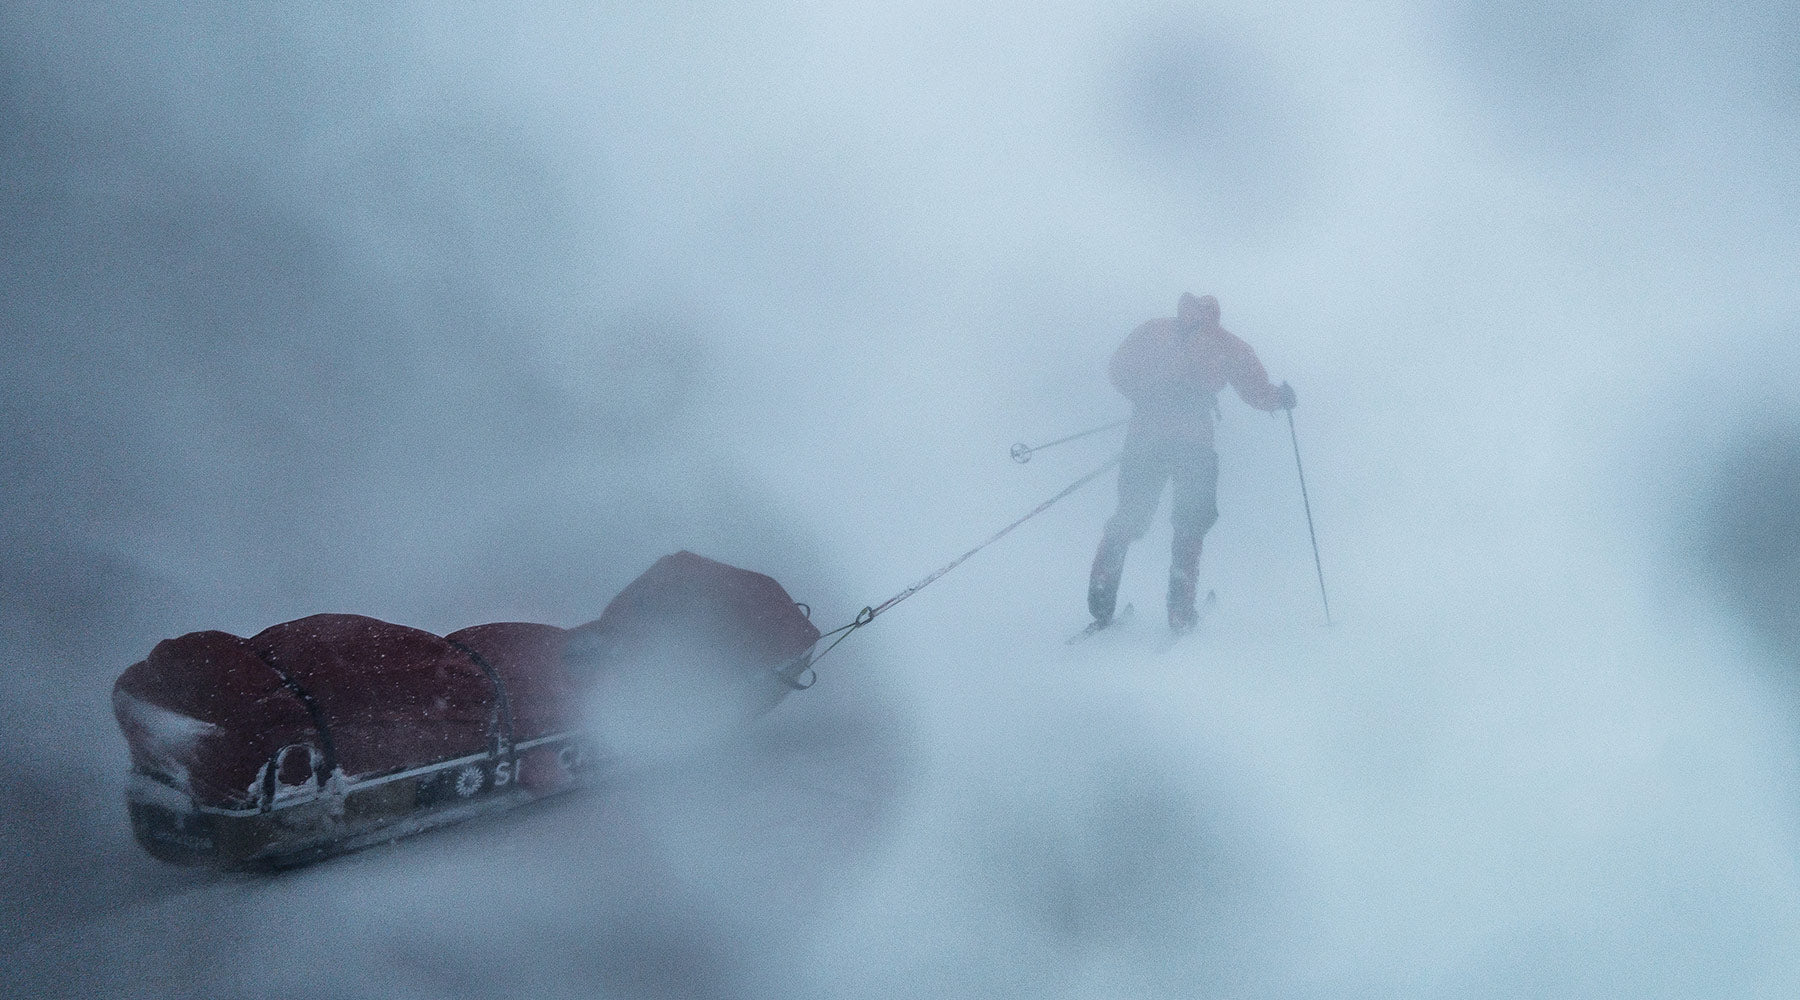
(333, 731)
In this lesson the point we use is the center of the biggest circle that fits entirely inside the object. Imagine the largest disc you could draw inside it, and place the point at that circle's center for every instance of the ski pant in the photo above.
(1147, 466)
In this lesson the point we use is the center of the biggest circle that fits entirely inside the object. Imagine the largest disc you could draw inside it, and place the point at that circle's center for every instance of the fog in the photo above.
(456, 318)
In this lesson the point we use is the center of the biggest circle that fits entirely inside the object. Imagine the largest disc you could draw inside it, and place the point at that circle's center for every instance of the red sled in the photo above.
(335, 731)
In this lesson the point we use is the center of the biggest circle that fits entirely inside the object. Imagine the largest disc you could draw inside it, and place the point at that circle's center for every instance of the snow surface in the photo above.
(448, 320)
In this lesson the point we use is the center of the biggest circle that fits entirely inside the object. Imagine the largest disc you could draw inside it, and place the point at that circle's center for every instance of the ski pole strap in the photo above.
(869, 614)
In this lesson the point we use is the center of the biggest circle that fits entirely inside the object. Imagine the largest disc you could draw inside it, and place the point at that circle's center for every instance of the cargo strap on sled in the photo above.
(869, 614)
(326, 765)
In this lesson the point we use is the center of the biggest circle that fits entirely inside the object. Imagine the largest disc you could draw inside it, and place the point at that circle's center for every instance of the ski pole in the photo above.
(1021, 452)
(1309, 519)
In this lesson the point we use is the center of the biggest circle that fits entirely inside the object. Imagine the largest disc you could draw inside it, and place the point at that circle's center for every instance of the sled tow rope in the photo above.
(1021, 452)
(868, 614)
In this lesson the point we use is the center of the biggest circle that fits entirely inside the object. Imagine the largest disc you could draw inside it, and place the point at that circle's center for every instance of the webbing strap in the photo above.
(502, 717)
(328, 749)
(868, 614)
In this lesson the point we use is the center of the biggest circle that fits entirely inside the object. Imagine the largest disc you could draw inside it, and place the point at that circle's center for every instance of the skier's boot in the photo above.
(1182, 616)
(1184, 569)
(1103, 579)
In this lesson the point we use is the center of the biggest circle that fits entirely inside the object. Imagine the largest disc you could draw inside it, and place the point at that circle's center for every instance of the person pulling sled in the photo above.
(1172, 370)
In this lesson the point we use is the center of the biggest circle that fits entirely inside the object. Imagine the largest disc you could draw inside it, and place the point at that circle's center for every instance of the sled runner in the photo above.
(336, 731)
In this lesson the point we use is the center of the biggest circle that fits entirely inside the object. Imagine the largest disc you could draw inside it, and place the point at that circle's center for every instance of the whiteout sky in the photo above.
(449, 318)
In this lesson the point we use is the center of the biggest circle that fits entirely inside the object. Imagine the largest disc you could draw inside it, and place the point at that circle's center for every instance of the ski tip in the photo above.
(1122, 616)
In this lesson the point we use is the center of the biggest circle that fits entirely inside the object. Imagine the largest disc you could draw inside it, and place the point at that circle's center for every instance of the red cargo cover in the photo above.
(204, 714)
(691, 613)
(207, 713)
(540, 694)
(391, 697)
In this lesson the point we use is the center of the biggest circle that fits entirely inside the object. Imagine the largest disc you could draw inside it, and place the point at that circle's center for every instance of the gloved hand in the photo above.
(1287, 396)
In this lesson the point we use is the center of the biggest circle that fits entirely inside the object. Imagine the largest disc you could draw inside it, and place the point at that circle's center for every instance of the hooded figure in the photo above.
(1172, 371)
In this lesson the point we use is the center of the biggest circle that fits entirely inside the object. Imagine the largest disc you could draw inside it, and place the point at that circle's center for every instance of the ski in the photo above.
(1096, 627)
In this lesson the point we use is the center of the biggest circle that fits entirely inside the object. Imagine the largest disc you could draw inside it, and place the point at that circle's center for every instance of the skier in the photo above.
(1172, 371)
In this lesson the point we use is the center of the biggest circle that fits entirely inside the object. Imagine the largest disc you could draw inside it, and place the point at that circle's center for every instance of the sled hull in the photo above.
(349, 814)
